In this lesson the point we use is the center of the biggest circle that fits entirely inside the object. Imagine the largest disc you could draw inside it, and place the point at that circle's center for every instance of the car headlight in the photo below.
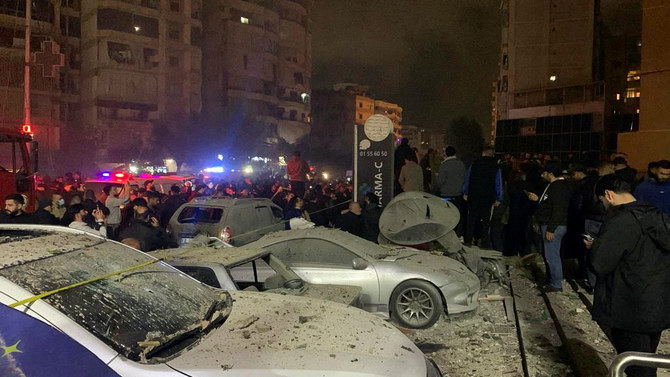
(431, 369)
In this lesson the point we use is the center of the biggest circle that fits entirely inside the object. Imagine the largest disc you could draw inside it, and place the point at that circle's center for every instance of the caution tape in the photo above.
(75, 285)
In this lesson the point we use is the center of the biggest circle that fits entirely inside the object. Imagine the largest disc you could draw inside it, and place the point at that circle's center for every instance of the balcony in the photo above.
(593, 92)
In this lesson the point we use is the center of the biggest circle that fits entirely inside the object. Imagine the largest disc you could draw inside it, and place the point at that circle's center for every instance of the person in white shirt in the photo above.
(77, 213)
(117, 197)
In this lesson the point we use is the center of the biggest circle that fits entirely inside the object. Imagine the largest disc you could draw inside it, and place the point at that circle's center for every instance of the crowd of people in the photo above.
(139, 216)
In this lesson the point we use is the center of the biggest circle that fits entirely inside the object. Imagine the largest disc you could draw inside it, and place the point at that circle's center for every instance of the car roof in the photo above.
(227, 256)
(229, 202)
(335, 235)
(35, 242)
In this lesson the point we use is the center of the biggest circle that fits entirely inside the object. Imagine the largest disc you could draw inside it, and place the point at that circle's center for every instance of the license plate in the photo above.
(186, 240)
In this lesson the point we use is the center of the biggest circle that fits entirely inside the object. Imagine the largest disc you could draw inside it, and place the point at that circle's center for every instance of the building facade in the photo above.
(550, 96)
(130, 67)
(393, 112)
(140, 68)
(47, 116)
(651, 141)
(257, 63)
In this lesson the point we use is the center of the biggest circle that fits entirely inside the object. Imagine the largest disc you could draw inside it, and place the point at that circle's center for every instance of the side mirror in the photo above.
(34, 149)
(359, 264)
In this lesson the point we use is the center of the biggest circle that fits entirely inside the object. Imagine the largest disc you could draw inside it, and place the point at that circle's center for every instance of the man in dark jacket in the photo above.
(144, 227)
(552, 216)
(482, 189)
(171, 205)
(449, 185)
(631, 258)
(371, 214)
(351, 220)
(14, 212)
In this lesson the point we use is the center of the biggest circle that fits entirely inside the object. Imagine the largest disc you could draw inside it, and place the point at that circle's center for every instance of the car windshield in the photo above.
(130, 311)
(200, 215)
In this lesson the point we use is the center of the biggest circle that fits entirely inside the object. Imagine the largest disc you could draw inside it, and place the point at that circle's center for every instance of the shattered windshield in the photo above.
(131, 312)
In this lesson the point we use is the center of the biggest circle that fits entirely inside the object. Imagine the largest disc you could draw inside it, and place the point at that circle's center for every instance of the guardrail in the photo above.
(626, 359)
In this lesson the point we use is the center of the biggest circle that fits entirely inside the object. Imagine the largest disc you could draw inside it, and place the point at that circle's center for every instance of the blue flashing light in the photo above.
(106, 174)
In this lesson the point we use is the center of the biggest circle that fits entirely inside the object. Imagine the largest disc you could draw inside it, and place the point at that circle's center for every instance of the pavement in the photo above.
(520, 331)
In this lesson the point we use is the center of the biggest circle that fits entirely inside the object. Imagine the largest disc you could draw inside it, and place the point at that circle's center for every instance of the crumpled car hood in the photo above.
(269, 335)
(420, 260)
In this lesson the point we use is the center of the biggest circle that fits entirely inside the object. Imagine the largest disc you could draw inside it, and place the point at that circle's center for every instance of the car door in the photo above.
(319, 261)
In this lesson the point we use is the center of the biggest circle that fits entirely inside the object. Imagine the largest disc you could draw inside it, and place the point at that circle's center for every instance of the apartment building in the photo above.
(128, 65)
(550, 96)
(257, 67)
(140, 65)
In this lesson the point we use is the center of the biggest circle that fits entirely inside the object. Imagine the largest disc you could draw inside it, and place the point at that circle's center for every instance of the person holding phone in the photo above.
(631, 258)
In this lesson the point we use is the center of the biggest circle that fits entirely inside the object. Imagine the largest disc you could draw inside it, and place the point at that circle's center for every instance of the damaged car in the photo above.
(413, 287)
(142, 317)
(220, 265)
(427, 222)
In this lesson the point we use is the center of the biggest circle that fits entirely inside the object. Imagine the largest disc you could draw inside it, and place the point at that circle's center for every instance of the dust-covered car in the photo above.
(412, 286)
(237, 221)
(142, 317)
(220, 265)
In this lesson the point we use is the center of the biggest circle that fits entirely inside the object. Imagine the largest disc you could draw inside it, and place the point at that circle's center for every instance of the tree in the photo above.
(465, 135)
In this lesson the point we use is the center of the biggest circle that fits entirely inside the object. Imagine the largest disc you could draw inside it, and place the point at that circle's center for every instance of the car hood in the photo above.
(419, 260)
(269, 335)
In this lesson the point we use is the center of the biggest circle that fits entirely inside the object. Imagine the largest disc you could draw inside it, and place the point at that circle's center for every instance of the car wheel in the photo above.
(416, 304)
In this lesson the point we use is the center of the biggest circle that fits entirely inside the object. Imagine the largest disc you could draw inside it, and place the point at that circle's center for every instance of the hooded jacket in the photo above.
(631, 258)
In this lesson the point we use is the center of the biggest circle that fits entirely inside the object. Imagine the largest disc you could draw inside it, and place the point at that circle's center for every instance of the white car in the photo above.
(414, 287)
(142, 317)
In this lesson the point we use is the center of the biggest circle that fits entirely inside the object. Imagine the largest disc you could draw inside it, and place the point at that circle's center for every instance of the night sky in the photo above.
(435, 58)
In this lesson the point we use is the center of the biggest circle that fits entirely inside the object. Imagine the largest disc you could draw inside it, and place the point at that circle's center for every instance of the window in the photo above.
(150, 58)
(207, 215)
(153, 4)
(202, 274)
(70, 26)
(173, 61)
(312, 250)
(174, 31)
(175, 89)
(293, 114)
(120, 53)
(245, 61)
(196, 37)
(360, 116)
(112, 19)
(175, 5)
(298, 77)
(244, 20)
(360, 104)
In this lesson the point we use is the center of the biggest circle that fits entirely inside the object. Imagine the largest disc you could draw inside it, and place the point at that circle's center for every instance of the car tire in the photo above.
(416, 304)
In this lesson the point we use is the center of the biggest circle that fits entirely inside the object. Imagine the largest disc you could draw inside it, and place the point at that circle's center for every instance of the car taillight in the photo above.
(226, 234)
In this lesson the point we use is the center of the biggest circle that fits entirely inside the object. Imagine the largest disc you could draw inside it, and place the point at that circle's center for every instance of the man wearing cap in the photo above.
(552, 216)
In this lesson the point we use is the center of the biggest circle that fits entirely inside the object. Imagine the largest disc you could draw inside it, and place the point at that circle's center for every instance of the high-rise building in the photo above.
(129, 66)
(550, 95)
(140, 66)
(651, 142)
(257, 65)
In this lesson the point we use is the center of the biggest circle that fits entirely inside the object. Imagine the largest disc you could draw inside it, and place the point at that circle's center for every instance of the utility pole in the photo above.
(26, 77)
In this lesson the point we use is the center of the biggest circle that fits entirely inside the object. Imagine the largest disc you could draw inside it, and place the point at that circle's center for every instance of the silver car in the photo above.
(219, 265)
(414, 287)
(237, 221)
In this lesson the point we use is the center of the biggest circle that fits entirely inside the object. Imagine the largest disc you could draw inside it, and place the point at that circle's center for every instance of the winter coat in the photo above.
(631, 258)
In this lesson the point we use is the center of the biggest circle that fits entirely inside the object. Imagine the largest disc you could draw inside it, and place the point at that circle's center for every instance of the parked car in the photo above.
(220, 265)
(412, 286)
(142, 317)
(238, 221)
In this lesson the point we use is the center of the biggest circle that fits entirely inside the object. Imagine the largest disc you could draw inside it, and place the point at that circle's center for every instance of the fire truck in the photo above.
(18, 164)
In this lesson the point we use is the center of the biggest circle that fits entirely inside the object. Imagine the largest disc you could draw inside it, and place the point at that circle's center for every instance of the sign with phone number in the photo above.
(374, 159)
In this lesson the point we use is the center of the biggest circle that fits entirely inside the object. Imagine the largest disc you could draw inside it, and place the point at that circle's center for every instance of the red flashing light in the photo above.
(27, 129)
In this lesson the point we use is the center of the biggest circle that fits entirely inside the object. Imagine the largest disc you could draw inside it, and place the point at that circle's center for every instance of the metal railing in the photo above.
(626, 359)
